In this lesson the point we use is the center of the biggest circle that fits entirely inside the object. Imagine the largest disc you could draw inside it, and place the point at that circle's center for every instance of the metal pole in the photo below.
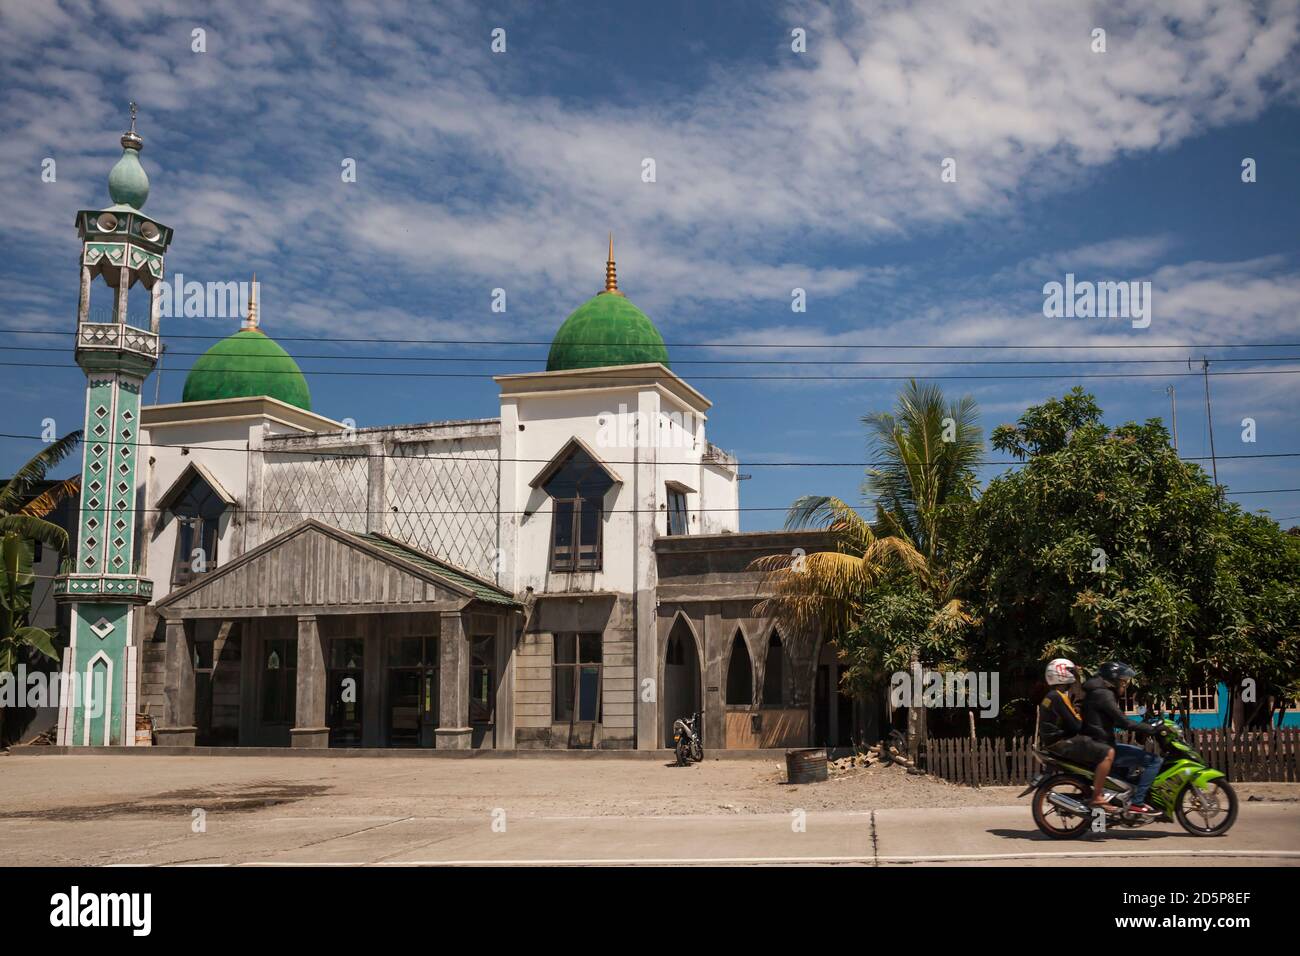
(1173, 411)
(1214, 462)
(157, 384)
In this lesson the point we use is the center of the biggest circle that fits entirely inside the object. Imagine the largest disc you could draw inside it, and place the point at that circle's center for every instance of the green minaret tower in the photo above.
(117, 350)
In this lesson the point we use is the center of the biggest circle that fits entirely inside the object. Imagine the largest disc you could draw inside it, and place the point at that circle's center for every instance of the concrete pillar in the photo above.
(644, 503)
(311, 730)
(453, 731)
(120, 297)
(83, 303)
(155, 306)
(250, 517)
(178, 728)
(376, 493)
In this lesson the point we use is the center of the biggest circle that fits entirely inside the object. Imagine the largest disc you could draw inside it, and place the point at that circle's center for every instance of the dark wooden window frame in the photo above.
(678, 511)
(199, 512)
(285, 675)
(430, 665)
(572, 671)
(574, 560)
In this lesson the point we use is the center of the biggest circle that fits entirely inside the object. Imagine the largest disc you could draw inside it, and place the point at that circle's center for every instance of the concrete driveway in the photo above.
(267, 811)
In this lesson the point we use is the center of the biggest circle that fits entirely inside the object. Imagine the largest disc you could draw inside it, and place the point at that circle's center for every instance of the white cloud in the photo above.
(470, 171)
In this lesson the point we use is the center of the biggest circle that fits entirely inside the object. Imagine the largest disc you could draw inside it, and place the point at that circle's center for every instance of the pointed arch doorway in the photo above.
(681, 691)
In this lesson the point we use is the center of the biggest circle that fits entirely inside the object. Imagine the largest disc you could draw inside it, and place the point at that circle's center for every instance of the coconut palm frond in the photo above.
(32, 528)
(951, 616)
(47, 501)
(34, 472)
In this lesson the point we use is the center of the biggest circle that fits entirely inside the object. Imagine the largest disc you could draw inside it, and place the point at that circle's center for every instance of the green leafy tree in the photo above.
(1106, 546)
(1256, 650)
(22, 523)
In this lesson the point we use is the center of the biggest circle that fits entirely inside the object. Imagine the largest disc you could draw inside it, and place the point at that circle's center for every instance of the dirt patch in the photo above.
(229, 800)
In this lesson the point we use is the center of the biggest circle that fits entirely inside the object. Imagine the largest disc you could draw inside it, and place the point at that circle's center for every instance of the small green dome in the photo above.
(246, 364)
(606, 330)
(128, 183)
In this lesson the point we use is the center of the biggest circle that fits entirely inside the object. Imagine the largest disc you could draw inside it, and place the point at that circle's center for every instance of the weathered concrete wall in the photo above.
(706, 581)
(604, 614)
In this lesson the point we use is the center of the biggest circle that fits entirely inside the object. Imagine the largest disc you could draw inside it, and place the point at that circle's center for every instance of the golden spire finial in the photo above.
(250, 323)
(611, 277)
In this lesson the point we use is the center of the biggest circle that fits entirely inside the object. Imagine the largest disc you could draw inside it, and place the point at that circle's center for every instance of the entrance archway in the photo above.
(681, 691)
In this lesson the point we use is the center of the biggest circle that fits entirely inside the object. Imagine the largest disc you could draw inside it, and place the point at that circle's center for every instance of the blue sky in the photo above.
(775, 170)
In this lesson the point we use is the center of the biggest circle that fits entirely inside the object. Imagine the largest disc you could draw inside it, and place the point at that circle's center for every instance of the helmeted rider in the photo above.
(1102, 714)
(1061, 728)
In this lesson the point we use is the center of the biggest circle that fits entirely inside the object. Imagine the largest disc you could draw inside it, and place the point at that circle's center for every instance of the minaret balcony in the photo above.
(117, 588)
(114, 346)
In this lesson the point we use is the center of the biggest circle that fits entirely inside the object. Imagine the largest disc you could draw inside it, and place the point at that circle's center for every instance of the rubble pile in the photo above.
(884, 753)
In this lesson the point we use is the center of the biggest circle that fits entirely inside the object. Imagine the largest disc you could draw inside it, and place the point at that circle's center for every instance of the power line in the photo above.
(626, 380)
(236, 353)
(359, 451)
(334, 512)
(710, 345)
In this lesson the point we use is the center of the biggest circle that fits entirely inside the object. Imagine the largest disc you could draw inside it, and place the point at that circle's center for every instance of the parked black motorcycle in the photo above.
(686, 739)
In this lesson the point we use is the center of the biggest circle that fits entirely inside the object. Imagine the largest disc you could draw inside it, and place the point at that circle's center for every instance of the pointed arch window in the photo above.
(774, 672)
(577, 482)
(196, 501)
(740, 674)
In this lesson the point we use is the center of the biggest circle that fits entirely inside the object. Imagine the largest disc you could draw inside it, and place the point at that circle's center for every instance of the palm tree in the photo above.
(23, 522)
(922, 472)
(824, 589)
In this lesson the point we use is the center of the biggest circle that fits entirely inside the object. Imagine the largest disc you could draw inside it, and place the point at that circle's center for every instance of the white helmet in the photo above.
(1060, 671)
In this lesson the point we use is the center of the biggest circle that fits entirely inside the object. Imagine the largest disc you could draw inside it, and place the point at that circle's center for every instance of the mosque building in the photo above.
(567, 573)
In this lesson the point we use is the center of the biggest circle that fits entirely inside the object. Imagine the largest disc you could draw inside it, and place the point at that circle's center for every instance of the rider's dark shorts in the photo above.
(1080, 749)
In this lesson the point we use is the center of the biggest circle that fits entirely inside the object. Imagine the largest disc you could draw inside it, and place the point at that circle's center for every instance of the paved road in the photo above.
(1266, 834)
(94, 810)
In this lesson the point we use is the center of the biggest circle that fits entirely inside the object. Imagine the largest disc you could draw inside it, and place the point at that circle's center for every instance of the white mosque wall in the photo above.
(649, 437)
(460, 490)
(222, 449)
(434, 486)
(720, 488)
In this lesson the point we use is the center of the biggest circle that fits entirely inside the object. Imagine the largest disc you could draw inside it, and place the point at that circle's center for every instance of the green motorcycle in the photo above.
(1198, 797)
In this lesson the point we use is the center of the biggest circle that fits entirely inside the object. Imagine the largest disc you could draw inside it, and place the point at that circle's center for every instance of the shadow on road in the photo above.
(1088, 839)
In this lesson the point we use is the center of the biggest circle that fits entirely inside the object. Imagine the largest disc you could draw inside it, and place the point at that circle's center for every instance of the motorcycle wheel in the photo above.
(1208, 812)
(1049, 819)
(697, 752)
(683, 753)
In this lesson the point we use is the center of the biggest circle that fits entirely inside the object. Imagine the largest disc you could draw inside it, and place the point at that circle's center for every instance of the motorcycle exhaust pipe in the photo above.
(1068, 804)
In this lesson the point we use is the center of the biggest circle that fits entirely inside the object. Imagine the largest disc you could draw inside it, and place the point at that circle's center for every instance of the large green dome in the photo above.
(606, 330)
(245, 364)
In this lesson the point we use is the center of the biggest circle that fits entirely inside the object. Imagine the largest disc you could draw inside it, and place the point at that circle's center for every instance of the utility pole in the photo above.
(1173, 411)
(162, 350)
(1209, 420)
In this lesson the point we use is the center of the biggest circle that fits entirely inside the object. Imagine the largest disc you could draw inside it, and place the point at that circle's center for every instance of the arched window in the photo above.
(577, 484)
(740, 674)
(197, 508)
(774, 672)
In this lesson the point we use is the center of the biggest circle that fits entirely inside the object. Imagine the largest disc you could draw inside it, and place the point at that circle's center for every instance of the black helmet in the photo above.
(1113, 671)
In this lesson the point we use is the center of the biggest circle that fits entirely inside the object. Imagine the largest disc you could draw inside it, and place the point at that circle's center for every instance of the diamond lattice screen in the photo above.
(445, 495)
(330, 488)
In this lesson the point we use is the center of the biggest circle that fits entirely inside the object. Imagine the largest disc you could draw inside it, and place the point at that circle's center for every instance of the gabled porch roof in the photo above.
(315, 568)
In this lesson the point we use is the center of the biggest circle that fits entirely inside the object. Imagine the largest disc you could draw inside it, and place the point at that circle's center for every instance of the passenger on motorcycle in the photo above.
(1102, 714)
(1061, 729)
